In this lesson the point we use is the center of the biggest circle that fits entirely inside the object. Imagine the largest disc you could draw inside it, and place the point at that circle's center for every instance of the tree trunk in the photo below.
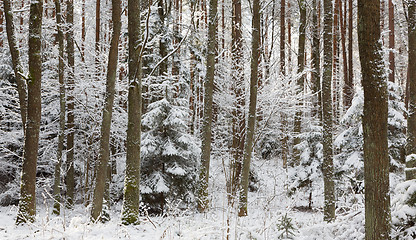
(255, 52)
(346, 97)
(239, 102)
(350, 86)
(27, 203)
(282, 37)
(97, 37)
(130, 214)
(327, 166)
(70, 181)
(208, 105)
(316, 59)
(335, 63)
(391, 42)
(1, 27)
(376, 158)
(104, 156)
(17, 67)
(411, 79)
(61, 131)
(83, 32)
(301, 65)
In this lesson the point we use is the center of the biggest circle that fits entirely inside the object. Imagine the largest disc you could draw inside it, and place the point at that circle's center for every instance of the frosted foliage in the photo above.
(349, 163)
(308, 173)
(404, 210)
(169, 153)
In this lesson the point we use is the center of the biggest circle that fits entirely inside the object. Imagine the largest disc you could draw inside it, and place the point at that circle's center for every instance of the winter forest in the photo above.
(208, 119)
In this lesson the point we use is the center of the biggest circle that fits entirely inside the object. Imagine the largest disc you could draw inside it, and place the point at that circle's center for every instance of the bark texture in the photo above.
(300, 81)
(328, 165)
(27, 202)
(255, 52)
(376, 158)
(207, 120)
(100, 183)
(70, 178)
(130, 213)
(411, 120)
(61, 133)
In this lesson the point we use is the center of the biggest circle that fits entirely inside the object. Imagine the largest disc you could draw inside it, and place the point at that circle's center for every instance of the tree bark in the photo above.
(255, 52)
(328, 166)
(346, 88)
(350, 86)
(282, 37)
(100, 183)
(27, 203)
(301, 65)
(208, 105)
(391, 42)
(62, 114)
(239, 102)
(97, 37)
(17, 67)
(130, 214)
(411, 79)
(316, 59)
(70, 178)
(376, 158)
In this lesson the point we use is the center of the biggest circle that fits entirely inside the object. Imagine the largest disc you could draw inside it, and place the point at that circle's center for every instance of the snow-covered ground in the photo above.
(266, 209)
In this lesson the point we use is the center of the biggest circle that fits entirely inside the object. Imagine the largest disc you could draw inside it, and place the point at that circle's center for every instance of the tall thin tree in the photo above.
(300, 82)
(255, 53)
(376, 157)
(411, 120)
(208, 105)
(101, 176)
(62, 116)
(238, 122)
(130, 213)
(70, 47)
(17, 67)
(328, 165)
(27, 202)
(392, 44)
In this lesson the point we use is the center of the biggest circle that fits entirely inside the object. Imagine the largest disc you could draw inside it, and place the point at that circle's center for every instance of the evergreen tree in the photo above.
(169, 153)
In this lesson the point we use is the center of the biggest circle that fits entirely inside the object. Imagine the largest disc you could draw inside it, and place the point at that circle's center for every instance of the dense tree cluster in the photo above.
(138, 107)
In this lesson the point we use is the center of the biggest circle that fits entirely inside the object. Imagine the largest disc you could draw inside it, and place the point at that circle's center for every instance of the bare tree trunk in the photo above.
(282, 37)
(255, 52)
(70, 178)
(411, 80)
(335, 63)
(285, 137)
(346, 87)
(83, 32)
(350, 83)
(239, 102)
(208, 105)
(1, 27)
(62, 113)
(27, 203)
(17, 67)
(327, 166)
(316, 59)
(301, 65)
(376, 157)
(101, 177)
(391, 42)
(97, 37)
(130, 214)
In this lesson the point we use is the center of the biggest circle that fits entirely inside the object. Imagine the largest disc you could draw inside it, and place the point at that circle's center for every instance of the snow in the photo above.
(265, 208)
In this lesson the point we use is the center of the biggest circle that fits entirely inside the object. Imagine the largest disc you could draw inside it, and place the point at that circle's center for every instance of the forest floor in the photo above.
(267, 207)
